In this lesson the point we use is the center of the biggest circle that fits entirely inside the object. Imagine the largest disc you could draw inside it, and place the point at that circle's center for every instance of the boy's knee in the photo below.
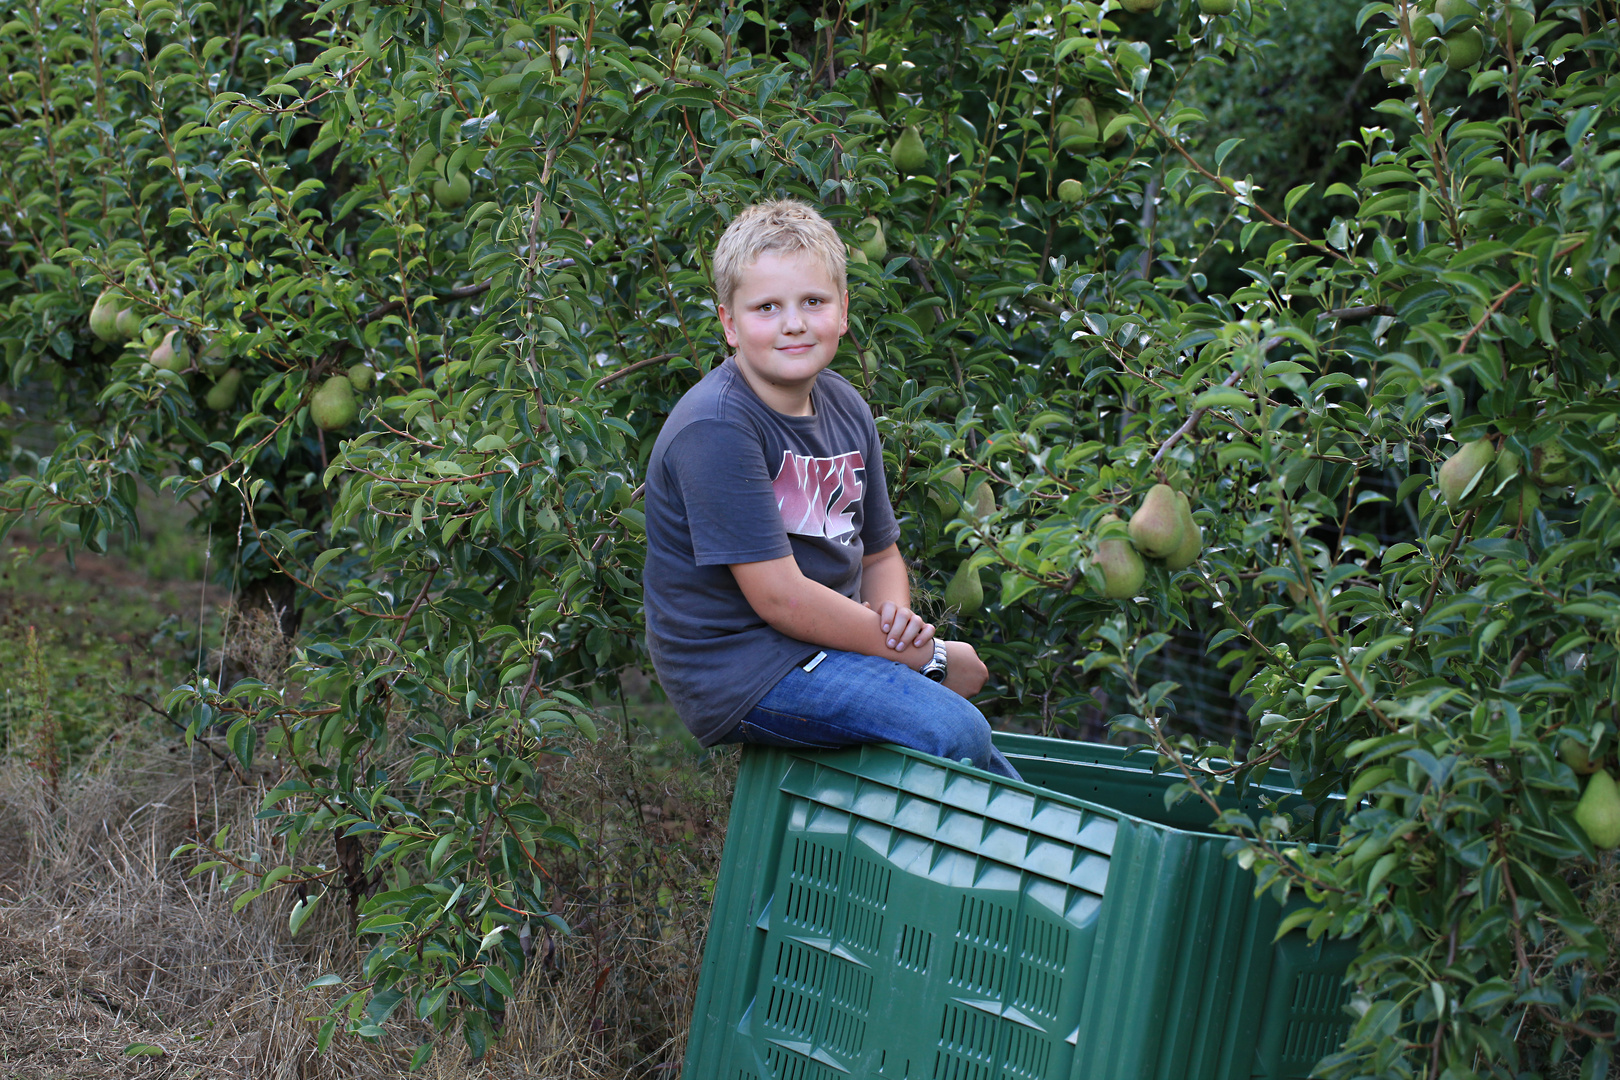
(961, 731)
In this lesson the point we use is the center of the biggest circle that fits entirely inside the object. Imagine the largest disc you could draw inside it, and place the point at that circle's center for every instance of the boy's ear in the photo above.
(731, 331)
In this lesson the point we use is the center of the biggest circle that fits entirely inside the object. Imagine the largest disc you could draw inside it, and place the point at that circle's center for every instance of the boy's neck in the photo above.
(787, 400)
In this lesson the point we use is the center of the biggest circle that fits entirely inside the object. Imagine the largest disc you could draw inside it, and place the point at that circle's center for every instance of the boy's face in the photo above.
(784, 320)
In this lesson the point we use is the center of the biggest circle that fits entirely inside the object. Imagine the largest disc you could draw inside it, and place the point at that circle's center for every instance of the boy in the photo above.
(778, 607)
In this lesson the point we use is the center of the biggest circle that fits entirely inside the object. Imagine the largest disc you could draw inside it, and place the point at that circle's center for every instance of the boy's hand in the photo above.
(904, 627)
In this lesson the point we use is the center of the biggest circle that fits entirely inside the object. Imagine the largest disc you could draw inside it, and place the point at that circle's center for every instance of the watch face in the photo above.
(935, 673)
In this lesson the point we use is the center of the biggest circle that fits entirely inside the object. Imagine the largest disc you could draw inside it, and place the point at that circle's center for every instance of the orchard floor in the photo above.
(115, 963)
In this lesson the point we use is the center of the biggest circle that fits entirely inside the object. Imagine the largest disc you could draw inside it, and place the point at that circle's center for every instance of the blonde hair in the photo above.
(785, 225)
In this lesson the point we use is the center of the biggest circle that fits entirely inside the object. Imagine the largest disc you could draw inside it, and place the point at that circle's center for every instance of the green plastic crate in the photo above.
(883, 913)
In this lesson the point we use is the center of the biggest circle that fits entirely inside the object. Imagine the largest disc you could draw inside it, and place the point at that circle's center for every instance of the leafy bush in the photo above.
(505, 212)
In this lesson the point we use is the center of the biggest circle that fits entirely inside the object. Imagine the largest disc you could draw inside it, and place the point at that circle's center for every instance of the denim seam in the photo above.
(778, 713)
(777, 735)
(857, 737)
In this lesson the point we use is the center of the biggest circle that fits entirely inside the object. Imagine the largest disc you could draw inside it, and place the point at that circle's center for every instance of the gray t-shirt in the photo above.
(731, 480)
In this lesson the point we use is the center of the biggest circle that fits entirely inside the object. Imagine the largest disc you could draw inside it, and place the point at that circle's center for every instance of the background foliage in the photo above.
(1291, 285)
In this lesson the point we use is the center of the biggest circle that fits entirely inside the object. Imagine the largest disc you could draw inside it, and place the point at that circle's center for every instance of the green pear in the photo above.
(453, 192)
(104, 317)
(1105, 116)
(1156, 528)
(1576, 756)
(1466, 10)
(1598, 812)
(171, 354)
(333, 405)
(876, 248)
(1523, 500)
(909, 154)
(1077, 129)
(1516, 19)
(1463, 49)
(983, 498)
(1508, 464)
(1552, 468)
(953, 478)
(1071, 191)
(1217, 7)
(965, 593)
(1462, 468)
(214, 359)
(361, 376)
(1140, 7)
(1423, 28)
(1122, 568)
(1393, 63)
(1192, 538)
(856, 257)
(129, 323)
(222, 395)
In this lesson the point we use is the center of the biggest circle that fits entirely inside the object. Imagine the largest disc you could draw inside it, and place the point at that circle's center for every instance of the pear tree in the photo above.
(1293, 356)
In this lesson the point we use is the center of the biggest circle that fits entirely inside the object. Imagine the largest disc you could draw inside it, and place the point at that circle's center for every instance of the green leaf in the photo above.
(322, 560)
(498, 981)
(1292, 921)
(1223, 397)
(419, 160)
(241, 737)
(301, 912)
(1381, 869)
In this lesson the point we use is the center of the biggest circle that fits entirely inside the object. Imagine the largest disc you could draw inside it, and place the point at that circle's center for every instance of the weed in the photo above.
(106, 943)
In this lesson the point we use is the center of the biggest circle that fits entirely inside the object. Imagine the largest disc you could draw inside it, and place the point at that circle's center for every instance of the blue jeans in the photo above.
(849, 698)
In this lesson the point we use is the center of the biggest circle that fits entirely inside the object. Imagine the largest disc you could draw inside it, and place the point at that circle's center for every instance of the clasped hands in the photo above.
(905, 627)
(964, 672)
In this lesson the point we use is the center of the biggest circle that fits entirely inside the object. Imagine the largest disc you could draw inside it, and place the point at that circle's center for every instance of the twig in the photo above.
(630, 369)
(1198, 414)
(1358, 314)
(1541, 189)
(1230, 192)
(459, 293)
(1500, 300)
(421, 596)
(212, 749)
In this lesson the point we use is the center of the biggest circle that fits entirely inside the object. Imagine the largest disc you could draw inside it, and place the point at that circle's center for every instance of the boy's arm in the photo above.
(809, 611)
(886, 589)
(884, 580)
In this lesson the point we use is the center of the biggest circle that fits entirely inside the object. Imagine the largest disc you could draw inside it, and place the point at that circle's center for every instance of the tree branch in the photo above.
(1198, 414)
(630, 369)
(1359, 314)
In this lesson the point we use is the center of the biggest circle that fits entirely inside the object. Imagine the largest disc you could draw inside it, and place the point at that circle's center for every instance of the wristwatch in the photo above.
(935, 668)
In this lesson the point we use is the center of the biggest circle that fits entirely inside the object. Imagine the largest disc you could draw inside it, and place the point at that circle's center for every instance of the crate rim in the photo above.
(1111, 812)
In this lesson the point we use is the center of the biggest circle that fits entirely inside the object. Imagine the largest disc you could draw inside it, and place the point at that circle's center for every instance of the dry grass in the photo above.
(106, 944)
(1538, 1039)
